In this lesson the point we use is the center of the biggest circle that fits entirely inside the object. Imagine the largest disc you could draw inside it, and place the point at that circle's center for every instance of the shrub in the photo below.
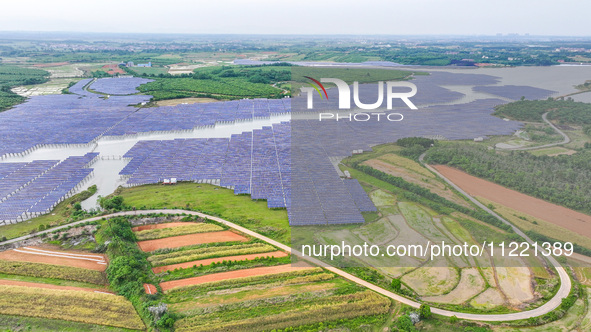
(425, 311)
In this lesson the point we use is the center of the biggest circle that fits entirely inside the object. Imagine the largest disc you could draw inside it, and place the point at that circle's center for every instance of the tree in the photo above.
(396, 285)
(113, 203)
(425, 311)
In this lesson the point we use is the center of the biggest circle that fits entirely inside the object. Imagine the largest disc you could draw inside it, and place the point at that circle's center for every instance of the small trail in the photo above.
(565, 138)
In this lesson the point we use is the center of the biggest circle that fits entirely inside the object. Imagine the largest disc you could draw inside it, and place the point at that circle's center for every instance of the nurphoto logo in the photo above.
(345, 99)
(345, 93)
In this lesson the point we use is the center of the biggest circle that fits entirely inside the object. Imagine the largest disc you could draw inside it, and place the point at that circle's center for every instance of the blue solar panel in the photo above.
(37, 187)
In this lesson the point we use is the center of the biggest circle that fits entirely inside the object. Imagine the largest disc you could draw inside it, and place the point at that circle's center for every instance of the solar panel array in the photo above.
(248, 162)
(125, 85)
(361, 199)
(515, 92)
(35, 188)
(190, 116)
(61, 119)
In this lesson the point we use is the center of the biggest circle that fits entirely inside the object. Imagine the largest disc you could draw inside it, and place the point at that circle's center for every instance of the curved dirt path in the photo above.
(565, 138)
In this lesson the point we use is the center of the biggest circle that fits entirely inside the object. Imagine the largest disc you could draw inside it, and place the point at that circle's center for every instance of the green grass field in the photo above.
(548, 151)
(209, 199)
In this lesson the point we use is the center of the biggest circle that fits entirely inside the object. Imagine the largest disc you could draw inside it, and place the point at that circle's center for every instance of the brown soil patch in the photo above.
(555, 214)
(489, 299)
(150, 289)
(515, 282)
(89, 261)
(583, 275)
(231, 275)
(190, 239)
(423, 181)
(471, 284)
(160, 226)
(217, 260)
(113, 69)
(49, 286)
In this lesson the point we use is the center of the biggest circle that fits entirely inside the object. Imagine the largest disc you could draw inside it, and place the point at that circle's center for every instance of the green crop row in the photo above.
(224, 266)
(210, 252)
(53, 271)
(152, 234)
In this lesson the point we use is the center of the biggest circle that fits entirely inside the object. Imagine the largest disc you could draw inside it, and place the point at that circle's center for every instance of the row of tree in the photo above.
(564, 180)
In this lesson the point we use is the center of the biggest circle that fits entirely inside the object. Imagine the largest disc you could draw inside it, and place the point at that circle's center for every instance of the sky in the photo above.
(363, 17)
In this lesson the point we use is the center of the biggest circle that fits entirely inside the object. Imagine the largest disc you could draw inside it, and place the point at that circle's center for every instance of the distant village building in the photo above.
(130, 64)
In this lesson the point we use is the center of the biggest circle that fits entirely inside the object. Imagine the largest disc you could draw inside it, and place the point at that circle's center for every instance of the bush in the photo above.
(114, 203)
(121, 228)
(425, 311)
(411, 141)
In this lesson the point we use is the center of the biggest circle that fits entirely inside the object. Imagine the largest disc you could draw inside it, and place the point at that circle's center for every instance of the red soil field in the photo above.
(38, 285)
(208, 261)
(113, 69)
(89, 261)
(160, 226)
(150, 289)
(190, 239)
(167, 285)
(556, 214)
